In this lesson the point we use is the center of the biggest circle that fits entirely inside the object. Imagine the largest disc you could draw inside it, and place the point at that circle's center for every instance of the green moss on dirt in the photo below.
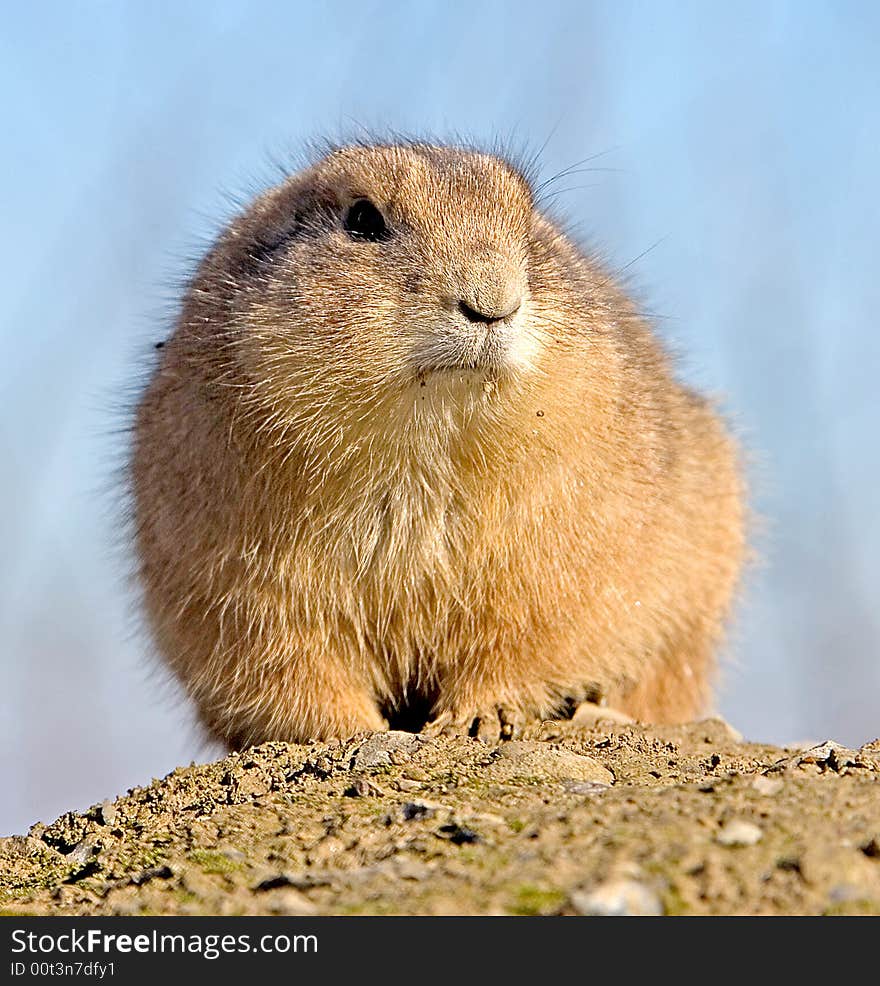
(530, 899)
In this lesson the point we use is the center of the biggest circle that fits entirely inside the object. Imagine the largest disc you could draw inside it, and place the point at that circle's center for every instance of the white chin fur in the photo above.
(506, 348)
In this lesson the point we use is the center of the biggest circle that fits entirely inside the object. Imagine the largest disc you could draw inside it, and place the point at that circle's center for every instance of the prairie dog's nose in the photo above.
(494, 291)
(474, 315)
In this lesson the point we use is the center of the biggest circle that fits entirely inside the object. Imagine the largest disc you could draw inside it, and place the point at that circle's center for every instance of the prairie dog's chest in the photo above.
(396, 536)
(412, 536)
(406, 535)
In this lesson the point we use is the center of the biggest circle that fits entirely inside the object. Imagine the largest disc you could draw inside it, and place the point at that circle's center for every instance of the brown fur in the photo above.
(350, 502)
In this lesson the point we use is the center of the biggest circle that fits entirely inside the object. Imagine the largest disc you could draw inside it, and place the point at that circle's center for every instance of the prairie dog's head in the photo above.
(409, 279)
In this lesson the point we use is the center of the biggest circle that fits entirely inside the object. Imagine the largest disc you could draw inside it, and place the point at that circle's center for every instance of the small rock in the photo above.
(827, 756)
(739, 832)
(413, 773)
(235, 855)
(124, 906)
(410, 869)
(303, 880)
(107, 812)
(287, 900)
(618, 897)
(245, 786)
(274, 882)
(85, 850)
(321, 765)
(153, 873)
(327, 851)
(589, 788)
(377, 750)
(459, 835)
(832, 755)
(64, 894)
(844, 893)
(517, 749)
(767, 785)
(201, 884)
(414, 810)
(363, 788)
(529, 761)
(407, 786)
(830, 864)
(590, 714)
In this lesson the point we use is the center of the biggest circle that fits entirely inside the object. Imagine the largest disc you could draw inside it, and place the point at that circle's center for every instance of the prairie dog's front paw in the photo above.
(490, 723)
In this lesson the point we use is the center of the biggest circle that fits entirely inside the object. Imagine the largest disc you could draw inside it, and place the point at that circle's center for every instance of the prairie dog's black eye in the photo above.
(363, 221)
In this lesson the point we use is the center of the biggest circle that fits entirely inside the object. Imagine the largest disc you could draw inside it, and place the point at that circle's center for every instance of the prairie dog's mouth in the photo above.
(475, 348)
(481, 362)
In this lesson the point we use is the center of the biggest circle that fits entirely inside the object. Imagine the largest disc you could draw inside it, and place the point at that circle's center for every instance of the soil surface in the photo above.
(589, 816)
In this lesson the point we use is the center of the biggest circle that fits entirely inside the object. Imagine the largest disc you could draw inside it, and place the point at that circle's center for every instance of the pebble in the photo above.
(589, 714)
(617, 898)
(125, 906)
(413, 773)
(588, 788)
(199, 884)
(107, 812)
(831, 755)
(302, 880)
(236, 855)
(153, 873)
(410, 869)
(327, 851)
(824, 756)
(845, 893)
(459, 835)
(413, 810)
(517, 749)
(85, 850)
(520, 760)
(767, 785)
(739, 832)
(287, 900)
(363, 788)
(377, 750)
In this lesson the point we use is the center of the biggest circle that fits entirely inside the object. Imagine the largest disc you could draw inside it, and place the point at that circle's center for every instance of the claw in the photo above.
(485, 728)
(438, 726)
(498, 722)
(510, 723)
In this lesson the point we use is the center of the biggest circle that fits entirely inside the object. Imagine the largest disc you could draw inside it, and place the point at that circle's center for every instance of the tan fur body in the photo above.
(336, 521)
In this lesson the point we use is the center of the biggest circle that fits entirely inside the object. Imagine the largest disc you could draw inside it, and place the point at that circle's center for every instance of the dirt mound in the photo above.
(591, 818)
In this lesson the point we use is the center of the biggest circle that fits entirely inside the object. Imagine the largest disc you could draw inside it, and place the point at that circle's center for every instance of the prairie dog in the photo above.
(410, 456)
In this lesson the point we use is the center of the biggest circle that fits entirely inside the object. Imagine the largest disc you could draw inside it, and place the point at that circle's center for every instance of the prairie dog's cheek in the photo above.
(384, 309)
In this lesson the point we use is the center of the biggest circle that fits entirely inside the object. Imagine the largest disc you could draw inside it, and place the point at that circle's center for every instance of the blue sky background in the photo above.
(742, 144)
